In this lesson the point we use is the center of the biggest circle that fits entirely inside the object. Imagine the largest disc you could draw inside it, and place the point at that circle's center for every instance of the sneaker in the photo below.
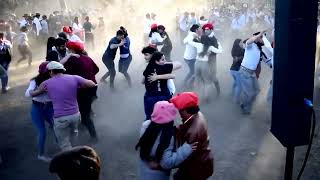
(44, 158)
(5, 90)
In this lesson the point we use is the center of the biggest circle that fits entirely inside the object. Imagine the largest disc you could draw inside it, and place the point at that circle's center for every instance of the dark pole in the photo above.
(289, 163)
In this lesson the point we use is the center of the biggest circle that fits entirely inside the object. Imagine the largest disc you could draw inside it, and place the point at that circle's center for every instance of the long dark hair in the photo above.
(124, 31)
(205, 40)
(149, 137)
(41, 77)
(152, 31)
(50, 44)
(237, 50)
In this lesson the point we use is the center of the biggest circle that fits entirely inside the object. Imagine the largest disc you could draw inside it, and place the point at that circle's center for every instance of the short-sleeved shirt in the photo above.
(159, 87)
(251, 57)
(62, 90)
(110, 54)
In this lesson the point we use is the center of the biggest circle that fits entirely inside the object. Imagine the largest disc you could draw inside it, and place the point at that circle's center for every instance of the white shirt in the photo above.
(77, 27)
(190, 52)
(75, 38)
(23, 22)
(22, 39)
(203, 22)
(43, 98)
(147, 25)
(183, 23)
(36, 21)
(44, 25)
(199, 47)
(251, 57)
(5, 44)
(156, 38)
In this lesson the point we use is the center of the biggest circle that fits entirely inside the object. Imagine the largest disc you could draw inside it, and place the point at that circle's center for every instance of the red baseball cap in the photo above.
(75, 45)
(66, 29)
(208, 26)
(154, 26)
(185, 100)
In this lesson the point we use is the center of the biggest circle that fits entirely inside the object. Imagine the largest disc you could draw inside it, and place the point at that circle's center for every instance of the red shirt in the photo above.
(83, 66)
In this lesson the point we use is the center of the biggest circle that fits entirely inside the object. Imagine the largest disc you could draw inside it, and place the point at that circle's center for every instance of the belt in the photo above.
(247, 70)
(41, 103)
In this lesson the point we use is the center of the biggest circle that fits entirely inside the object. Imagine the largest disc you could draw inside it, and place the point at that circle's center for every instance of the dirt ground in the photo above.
(243, 147)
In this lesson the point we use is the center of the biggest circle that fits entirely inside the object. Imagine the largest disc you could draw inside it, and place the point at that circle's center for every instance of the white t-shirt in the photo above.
(183, 23)
(251, 57)
(23, 22)
(190, 52)
(36, 21)
(75, 38)
(77, 27)
(22, 39)
(43, 98)
(156, 38)
(147, 25)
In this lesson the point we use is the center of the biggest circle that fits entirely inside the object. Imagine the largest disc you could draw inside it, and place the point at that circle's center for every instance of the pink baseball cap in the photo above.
(163, 112)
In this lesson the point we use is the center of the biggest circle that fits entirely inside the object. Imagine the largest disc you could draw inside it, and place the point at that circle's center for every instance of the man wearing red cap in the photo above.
(199, 165)
(79, 63)
(208, 31)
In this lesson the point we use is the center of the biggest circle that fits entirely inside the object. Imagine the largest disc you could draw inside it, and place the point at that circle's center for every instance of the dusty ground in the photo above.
(244, 149)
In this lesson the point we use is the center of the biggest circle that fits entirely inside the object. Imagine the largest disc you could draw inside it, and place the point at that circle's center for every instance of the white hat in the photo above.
(55, 65)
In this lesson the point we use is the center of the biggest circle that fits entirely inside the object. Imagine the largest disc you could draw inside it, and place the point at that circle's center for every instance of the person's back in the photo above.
(111, 53)
(62, 90)
(200, 164)
(83, 66)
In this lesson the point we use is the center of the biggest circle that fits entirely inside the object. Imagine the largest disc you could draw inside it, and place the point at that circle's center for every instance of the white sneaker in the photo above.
(44, 158)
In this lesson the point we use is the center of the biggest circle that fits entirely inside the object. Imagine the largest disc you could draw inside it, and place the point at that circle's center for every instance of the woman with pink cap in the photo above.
(156, 144)
(41, 109)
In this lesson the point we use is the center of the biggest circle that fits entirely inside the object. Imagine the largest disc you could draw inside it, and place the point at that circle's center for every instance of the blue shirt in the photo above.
(110, 54)
(125, 49)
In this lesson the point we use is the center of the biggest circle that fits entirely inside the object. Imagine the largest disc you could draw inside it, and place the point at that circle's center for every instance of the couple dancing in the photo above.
(164, 147)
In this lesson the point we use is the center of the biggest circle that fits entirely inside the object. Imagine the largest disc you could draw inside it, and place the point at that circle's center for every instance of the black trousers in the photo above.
(85, 99)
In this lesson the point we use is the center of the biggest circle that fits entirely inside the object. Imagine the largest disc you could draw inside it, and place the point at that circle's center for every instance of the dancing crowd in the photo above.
(65, 87)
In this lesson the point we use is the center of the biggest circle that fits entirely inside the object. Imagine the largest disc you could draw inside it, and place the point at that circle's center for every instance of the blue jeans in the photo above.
(4, 77)
(236, 87)
(190, 76)
(111, 70)
(249, 89)
(124, 64)
(40, 113)
(150, 101)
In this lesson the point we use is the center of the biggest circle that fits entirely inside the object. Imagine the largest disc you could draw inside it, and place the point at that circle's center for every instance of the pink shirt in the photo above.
(62, 90)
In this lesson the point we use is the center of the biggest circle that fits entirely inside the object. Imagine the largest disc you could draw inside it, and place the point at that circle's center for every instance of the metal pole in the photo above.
(289, 163)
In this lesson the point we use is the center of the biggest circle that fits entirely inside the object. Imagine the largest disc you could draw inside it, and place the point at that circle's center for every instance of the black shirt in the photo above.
(159, 87)
(237, 54)
(5, 55)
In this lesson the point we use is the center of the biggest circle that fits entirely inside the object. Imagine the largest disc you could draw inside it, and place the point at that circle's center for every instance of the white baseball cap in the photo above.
(55, 65)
